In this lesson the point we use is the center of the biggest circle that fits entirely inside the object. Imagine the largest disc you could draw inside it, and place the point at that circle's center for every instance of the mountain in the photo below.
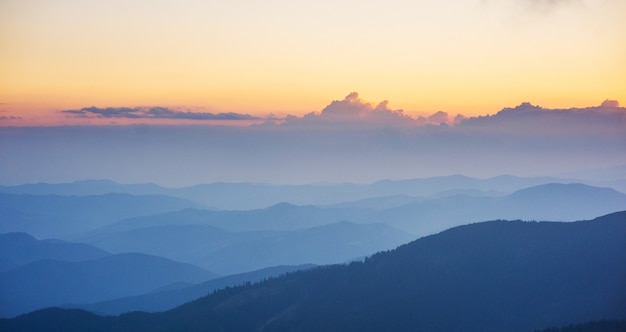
(168, 299)
(227, 252)
(553, 201)
(18, 249)
(594, 326)
(279, 217)
(55, 216)
(249, 196)
(85, 188)
(490, 276)
(52, 283)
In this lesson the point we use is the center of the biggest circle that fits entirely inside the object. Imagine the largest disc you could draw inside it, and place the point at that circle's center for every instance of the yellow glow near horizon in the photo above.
(462, 56)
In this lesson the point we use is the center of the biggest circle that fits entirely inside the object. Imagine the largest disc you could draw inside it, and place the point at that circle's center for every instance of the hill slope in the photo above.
(492, 276)
(168, 299)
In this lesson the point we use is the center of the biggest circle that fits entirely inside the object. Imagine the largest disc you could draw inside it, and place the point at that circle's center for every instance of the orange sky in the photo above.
(284, 57)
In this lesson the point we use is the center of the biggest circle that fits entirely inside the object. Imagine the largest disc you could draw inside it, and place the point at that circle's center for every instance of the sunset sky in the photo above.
(257, 58)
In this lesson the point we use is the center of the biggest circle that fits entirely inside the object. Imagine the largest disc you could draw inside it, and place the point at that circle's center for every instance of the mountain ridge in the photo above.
(488, 276)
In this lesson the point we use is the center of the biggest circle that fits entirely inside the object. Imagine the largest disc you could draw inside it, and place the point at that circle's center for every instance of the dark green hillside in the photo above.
(491, 276)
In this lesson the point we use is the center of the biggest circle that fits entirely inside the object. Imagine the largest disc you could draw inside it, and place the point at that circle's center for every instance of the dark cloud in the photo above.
(154, 113)
(10, 117)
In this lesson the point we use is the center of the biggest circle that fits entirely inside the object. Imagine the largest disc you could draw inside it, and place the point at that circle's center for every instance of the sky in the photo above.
(187, 92)
(349, 140)
(243, 62)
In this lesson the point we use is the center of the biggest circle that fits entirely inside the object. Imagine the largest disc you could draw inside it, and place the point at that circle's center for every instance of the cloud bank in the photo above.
(348, 141)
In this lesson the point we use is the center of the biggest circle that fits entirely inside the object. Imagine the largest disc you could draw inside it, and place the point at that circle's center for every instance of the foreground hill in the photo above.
(492, 276)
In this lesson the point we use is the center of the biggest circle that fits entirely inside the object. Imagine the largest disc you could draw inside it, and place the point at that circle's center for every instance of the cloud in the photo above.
(439, 117)
(527, 117)
(365, 142)
(548, 3)
(10, 117)
(610, 104)
(535, 6)
(352, 111)
(156, 112)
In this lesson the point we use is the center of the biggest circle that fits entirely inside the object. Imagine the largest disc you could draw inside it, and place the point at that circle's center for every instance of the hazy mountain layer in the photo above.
(549, 202)
(50, 282)
(18, 249)
(54, 216)
(226, 252)
(554, 201)
(244, 196)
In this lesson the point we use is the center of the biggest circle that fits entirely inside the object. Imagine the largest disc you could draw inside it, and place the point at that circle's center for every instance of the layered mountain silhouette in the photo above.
(41, 273)
(54, 215)
(489, 276)
(168, 299)
(226, 252)
(418, 216)
(280, 217)
(18, 249)
(248, 196)
(49, 282)
(553, 201)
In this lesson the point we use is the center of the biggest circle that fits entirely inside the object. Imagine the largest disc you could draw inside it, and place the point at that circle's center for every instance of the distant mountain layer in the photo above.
(244, 196)
(226, 252)
(553, 201)
(491, 276)
(48, 282)
(53, 215)
(279, 217)
(548, 202)
(18, 249)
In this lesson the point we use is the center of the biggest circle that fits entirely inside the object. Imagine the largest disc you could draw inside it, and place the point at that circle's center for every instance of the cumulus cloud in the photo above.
(438, 118)
(352, 111)
(156, 112)
(610, 104)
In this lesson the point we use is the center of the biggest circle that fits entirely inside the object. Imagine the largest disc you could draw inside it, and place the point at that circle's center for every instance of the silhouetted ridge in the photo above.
(595, 326)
